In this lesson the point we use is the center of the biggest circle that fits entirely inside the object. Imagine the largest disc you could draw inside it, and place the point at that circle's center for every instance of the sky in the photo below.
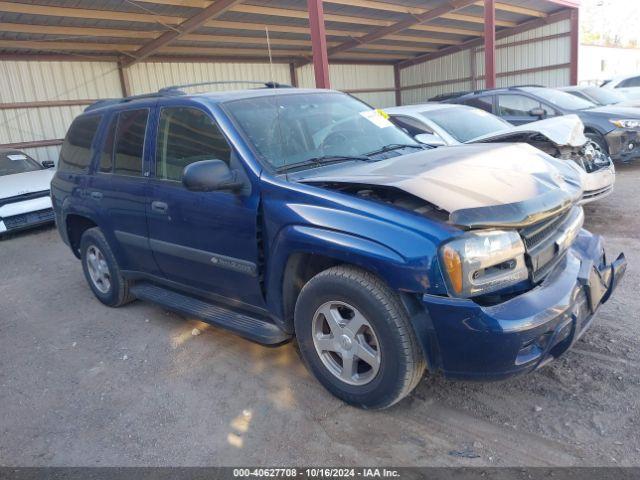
(610, 21)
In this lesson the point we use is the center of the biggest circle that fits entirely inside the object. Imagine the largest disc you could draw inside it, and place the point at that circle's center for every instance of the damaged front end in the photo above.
(563, 138)
(507, 198)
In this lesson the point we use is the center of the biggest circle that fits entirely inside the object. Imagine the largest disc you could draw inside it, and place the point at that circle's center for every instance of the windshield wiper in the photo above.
(395, 146)
(323, 160)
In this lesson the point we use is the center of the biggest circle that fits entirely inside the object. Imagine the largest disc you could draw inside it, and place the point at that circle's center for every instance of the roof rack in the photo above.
(114, 101)
(446, 96)
(178, 88)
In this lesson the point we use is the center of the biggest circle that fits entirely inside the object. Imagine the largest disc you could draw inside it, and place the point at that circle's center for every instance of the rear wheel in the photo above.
(101, 270)
(356, 338)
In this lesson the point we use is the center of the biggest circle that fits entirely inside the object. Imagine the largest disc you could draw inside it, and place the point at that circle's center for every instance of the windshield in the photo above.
(562, 100)
(602, 96)
(465, 124)
(290, 129)
(16, 162)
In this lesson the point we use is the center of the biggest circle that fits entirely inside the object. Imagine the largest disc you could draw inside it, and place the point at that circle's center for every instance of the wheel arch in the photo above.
(300, 252)
(75, 225)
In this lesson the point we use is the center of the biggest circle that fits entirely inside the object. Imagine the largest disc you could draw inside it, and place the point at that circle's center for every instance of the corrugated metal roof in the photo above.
(242, 20)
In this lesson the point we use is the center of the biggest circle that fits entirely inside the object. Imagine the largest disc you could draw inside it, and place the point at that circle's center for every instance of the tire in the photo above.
(352, 295)
(598, 140)
(94, 249)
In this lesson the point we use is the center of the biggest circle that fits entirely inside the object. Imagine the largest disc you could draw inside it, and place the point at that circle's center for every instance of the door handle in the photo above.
(160, 207)
(96, 195)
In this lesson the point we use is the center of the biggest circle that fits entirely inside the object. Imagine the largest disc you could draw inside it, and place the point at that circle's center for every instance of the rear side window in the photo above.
(187, 135)
(75, 155)
(129, 145)
(483, 103)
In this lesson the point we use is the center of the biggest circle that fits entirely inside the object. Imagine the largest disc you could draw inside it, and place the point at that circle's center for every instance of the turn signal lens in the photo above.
(453, 265)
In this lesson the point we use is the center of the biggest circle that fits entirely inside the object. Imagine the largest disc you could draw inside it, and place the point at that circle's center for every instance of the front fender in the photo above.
(399, 272)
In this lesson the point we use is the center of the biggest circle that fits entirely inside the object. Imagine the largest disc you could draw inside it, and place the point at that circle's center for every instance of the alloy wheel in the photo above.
(346, 343)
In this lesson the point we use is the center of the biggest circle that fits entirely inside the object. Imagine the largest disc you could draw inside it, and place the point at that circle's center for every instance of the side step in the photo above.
(252, 328)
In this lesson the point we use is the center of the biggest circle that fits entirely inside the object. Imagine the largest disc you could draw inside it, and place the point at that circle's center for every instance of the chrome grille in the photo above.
(26, 219)
(538, 233)
(546, 242)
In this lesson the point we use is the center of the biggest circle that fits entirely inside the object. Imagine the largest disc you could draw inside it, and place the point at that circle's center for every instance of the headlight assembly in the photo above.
(482, 262)
(626, 123)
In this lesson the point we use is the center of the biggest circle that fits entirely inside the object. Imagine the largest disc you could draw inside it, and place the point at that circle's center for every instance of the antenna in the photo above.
(266, 29)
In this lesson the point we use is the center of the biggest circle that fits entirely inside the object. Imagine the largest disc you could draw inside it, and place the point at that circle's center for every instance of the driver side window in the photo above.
(187, 135)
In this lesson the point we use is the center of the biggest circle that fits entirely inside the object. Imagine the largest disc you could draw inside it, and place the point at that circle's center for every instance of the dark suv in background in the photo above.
(615, 129)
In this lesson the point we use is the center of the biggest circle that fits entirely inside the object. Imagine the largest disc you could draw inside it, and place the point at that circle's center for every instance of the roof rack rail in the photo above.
(446, 96)
(527, 86)
(114, 101)
(178, 88)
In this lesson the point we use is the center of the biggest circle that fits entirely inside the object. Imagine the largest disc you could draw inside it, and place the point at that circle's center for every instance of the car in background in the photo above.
(439, 124)
(629, 85)
(601, 96)
(24, 191)
(615, 129)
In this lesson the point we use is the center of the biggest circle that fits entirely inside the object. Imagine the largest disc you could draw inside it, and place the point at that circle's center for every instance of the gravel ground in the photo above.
(85, 385)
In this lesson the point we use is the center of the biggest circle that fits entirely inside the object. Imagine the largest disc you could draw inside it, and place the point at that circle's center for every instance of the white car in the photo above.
(440, 124)
(629, 85)
(24, 191)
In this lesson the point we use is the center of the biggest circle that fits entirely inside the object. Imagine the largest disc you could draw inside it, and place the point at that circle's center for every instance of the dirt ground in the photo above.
(85, 385)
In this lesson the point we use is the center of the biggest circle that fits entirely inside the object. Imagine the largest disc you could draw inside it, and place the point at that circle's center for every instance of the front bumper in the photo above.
(624, 145)
(25, 214)
(598, 184)
(469, 341)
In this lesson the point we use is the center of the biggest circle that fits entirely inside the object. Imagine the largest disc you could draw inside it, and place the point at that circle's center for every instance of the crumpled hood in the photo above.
(567, 130)
(524, 183)
(27, 182)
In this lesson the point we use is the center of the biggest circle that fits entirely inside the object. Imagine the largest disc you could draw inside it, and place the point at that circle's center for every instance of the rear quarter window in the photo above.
(76, 150)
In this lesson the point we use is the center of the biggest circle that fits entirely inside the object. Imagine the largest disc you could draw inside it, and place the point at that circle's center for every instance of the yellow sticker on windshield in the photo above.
(382, 113)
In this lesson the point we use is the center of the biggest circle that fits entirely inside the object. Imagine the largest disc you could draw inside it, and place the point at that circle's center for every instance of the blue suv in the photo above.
(281, 212)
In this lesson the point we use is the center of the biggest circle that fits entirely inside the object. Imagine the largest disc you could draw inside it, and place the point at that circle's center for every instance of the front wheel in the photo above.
(599, 140)
(355, 336)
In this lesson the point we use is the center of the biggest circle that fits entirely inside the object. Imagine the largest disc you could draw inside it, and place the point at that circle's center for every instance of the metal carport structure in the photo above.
(386, 52)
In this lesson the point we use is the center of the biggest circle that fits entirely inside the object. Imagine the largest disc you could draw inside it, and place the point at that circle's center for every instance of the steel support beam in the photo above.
(123, 75)
(397, 84)
(413, 20)
(189, 25)
(575, 45)
(478, 42)
(318, 43)
(490, 43)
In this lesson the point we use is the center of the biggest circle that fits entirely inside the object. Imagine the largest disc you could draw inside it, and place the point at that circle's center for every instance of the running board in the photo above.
(252, 328)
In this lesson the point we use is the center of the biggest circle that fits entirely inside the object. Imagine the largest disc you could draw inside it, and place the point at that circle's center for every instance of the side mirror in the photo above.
(430, 139)
(47, 164)
(538, 112)
(210, 175)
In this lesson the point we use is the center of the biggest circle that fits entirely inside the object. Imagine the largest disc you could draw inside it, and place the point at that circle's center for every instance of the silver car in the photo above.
(437, 124)
(24, 191)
